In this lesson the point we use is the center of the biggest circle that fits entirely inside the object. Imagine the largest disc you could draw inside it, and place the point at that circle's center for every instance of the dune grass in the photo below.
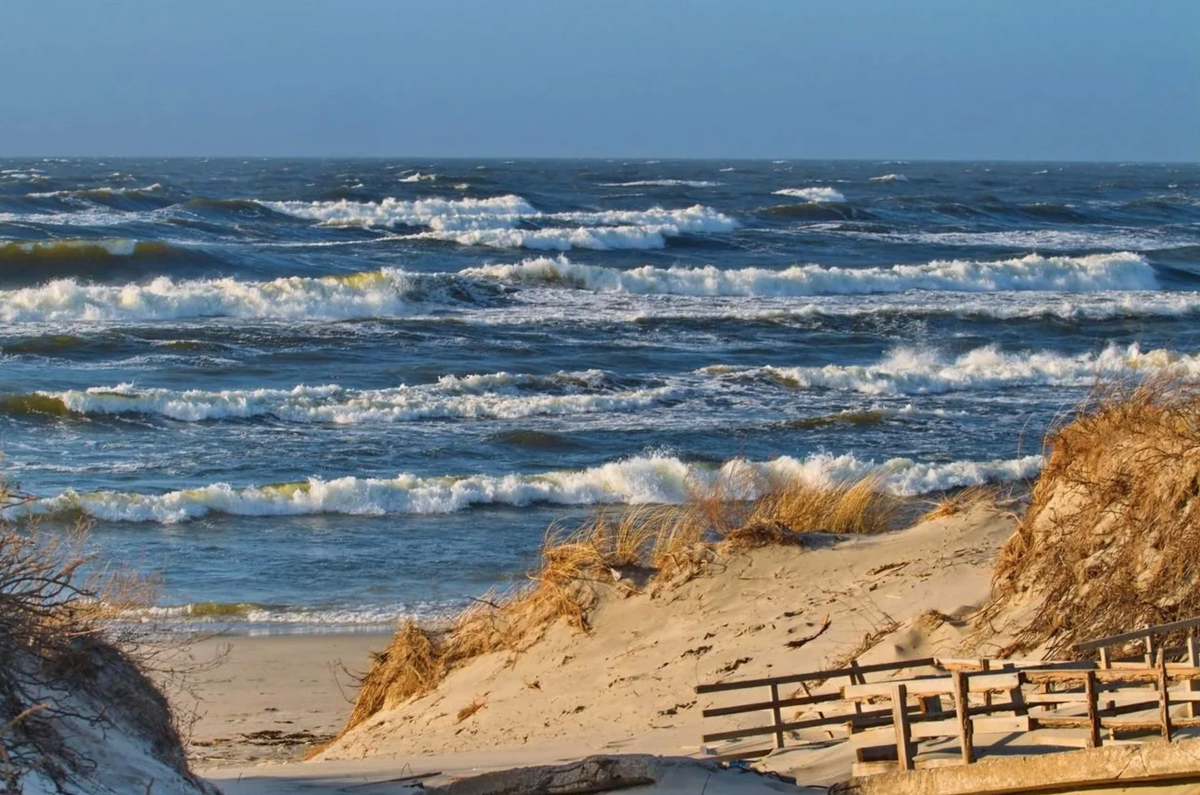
(625, 549)
(1109, 542)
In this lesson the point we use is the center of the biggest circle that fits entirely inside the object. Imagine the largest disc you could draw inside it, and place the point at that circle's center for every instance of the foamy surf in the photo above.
(908, 371)
(494, 396)
(1096, 272)
(653, 479)
(505, 222)
(817, 194)
(382, 293)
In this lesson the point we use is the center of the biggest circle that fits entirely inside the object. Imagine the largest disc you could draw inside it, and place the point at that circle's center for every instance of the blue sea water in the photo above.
(322, 394)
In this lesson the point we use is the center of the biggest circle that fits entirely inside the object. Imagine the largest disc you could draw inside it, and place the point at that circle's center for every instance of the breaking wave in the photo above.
(907, 371)
(889, 178)
(417, 176)
(511, 222)
(663, 183)
(1122, 271)
(495, 396)
(813, 194)
(636, 481)
(386, 292)
(102, 192)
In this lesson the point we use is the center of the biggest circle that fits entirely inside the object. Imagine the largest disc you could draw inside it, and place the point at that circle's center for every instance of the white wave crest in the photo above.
(116, 246)
(373, 294)
(417, 176)
(663, 183)
(634, 481)
(889, 178)
(819, 194)
(103, 190)
(494, 396)
(1122, 271)
(504, 222)
(907, 371)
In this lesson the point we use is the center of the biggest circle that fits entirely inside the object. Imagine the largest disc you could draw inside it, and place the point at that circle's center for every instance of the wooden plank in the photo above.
(1125, 724)
(1193, 659)
(952, 727)
(904, 747)
(1138, 634)
(1174, 672)
(812, 676)
(1093, 715)
(760, 706)
(761, 731)
(933, 686)
(776, 714)
(1164, 695)
(962, 706)
(1117, 698)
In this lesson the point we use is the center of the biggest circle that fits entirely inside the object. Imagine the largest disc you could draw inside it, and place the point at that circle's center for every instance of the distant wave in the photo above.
(889, 178)
(662, 183)
(494, 396)
(1121, 271)
(381, 293)
(819, 194)
(417, 176)
(101, 192)
(32, 261)
(636, 481)
(908, 371)
(512, 222)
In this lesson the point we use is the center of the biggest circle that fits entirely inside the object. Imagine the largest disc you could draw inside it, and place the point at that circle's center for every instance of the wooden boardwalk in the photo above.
(887, 710)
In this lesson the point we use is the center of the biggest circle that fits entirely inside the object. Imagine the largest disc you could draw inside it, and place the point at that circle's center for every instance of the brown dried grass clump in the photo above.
(960, 501)
(619, 549)
(1109, 541)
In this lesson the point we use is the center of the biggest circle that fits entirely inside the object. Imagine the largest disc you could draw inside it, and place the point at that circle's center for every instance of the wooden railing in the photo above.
(965, 699)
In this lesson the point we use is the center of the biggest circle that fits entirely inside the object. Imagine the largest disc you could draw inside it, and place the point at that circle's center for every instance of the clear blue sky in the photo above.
(940, 79)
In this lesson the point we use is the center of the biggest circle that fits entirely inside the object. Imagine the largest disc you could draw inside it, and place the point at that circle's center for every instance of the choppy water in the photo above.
(342, 391)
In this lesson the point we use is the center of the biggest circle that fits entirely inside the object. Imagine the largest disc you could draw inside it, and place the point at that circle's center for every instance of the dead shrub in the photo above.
(1109, 541)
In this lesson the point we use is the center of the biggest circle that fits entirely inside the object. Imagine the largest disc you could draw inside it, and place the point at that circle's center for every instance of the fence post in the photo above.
(1093, 716)
(776, 714)
(985, 665)
(856, 679)
(962, 710)
(1164, 704)
(1149, 641)
(904, 749)
(1193, 656)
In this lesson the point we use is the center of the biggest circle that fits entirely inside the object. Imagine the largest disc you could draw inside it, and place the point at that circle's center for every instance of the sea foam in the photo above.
(651, 479)
(909, 371)
(819, 194)
(491, 396)
(1120, 271)
(505, 222)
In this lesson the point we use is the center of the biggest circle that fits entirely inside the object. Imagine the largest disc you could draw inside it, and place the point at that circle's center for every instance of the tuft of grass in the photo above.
(470, 709)
(960, 501)
(1109, 541)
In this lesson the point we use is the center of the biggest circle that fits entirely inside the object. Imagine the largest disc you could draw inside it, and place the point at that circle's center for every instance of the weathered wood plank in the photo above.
(1138, 634)
(904, 746)
(962, 706)
(759, 706)
(933, 686)
(812, 676)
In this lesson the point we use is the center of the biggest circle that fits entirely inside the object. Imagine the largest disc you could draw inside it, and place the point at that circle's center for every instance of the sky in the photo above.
(916, 79)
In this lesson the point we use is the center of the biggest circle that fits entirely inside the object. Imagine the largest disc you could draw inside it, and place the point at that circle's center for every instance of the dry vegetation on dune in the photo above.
(1110, 540)
(627, 550)
(68, 677)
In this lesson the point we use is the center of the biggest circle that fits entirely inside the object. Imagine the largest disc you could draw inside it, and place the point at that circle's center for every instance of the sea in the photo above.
(324, 395)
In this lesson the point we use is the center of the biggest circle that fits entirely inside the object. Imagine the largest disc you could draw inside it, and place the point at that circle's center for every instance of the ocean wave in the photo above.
(820, 194)
(206, 614)
(451, 398)
(504, 222)
(650, 479)
(663, 183)
(101, 192)
(1121, 271)
(889, 178)
(417, 176)
(382, 293)
(909, 371)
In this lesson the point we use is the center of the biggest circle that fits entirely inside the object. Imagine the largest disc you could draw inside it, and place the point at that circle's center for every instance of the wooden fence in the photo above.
(947, 699)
